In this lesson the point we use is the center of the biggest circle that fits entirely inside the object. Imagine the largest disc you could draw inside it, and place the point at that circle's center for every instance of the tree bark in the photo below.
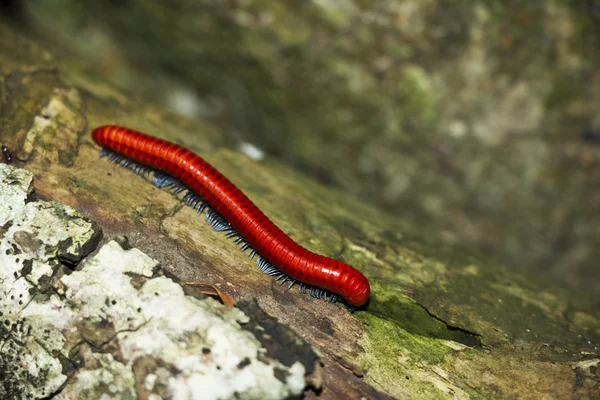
(441, 323)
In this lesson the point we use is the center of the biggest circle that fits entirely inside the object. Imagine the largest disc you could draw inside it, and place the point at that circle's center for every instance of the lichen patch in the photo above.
(114, 327)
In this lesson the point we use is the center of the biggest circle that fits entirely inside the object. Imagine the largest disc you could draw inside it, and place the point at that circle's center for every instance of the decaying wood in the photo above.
(441, 323)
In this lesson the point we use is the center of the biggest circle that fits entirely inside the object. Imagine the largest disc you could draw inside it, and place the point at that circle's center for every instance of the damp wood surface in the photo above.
(443, 322)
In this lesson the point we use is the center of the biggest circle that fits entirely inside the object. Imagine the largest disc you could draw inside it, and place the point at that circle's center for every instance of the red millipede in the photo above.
(232, 211)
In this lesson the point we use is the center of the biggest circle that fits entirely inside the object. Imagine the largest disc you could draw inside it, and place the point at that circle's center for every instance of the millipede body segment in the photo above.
(230, 210)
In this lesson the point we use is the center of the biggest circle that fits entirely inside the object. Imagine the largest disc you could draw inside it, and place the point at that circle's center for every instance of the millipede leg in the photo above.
(216, 221)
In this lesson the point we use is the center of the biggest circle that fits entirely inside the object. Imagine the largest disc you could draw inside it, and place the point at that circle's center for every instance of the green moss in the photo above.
(397, 359)
(486, 299)
(407, 314)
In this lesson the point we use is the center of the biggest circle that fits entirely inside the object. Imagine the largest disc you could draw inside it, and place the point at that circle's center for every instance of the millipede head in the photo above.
(357, 289)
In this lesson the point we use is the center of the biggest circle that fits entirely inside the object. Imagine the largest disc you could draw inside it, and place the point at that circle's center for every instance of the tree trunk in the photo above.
(441, 323)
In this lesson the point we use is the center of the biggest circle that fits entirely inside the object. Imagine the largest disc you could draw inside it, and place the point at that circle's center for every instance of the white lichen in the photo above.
(161, 322)
(31, 331)
(127, 329)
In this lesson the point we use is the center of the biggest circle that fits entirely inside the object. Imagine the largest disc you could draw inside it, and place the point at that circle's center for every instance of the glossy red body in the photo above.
(229, 201)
